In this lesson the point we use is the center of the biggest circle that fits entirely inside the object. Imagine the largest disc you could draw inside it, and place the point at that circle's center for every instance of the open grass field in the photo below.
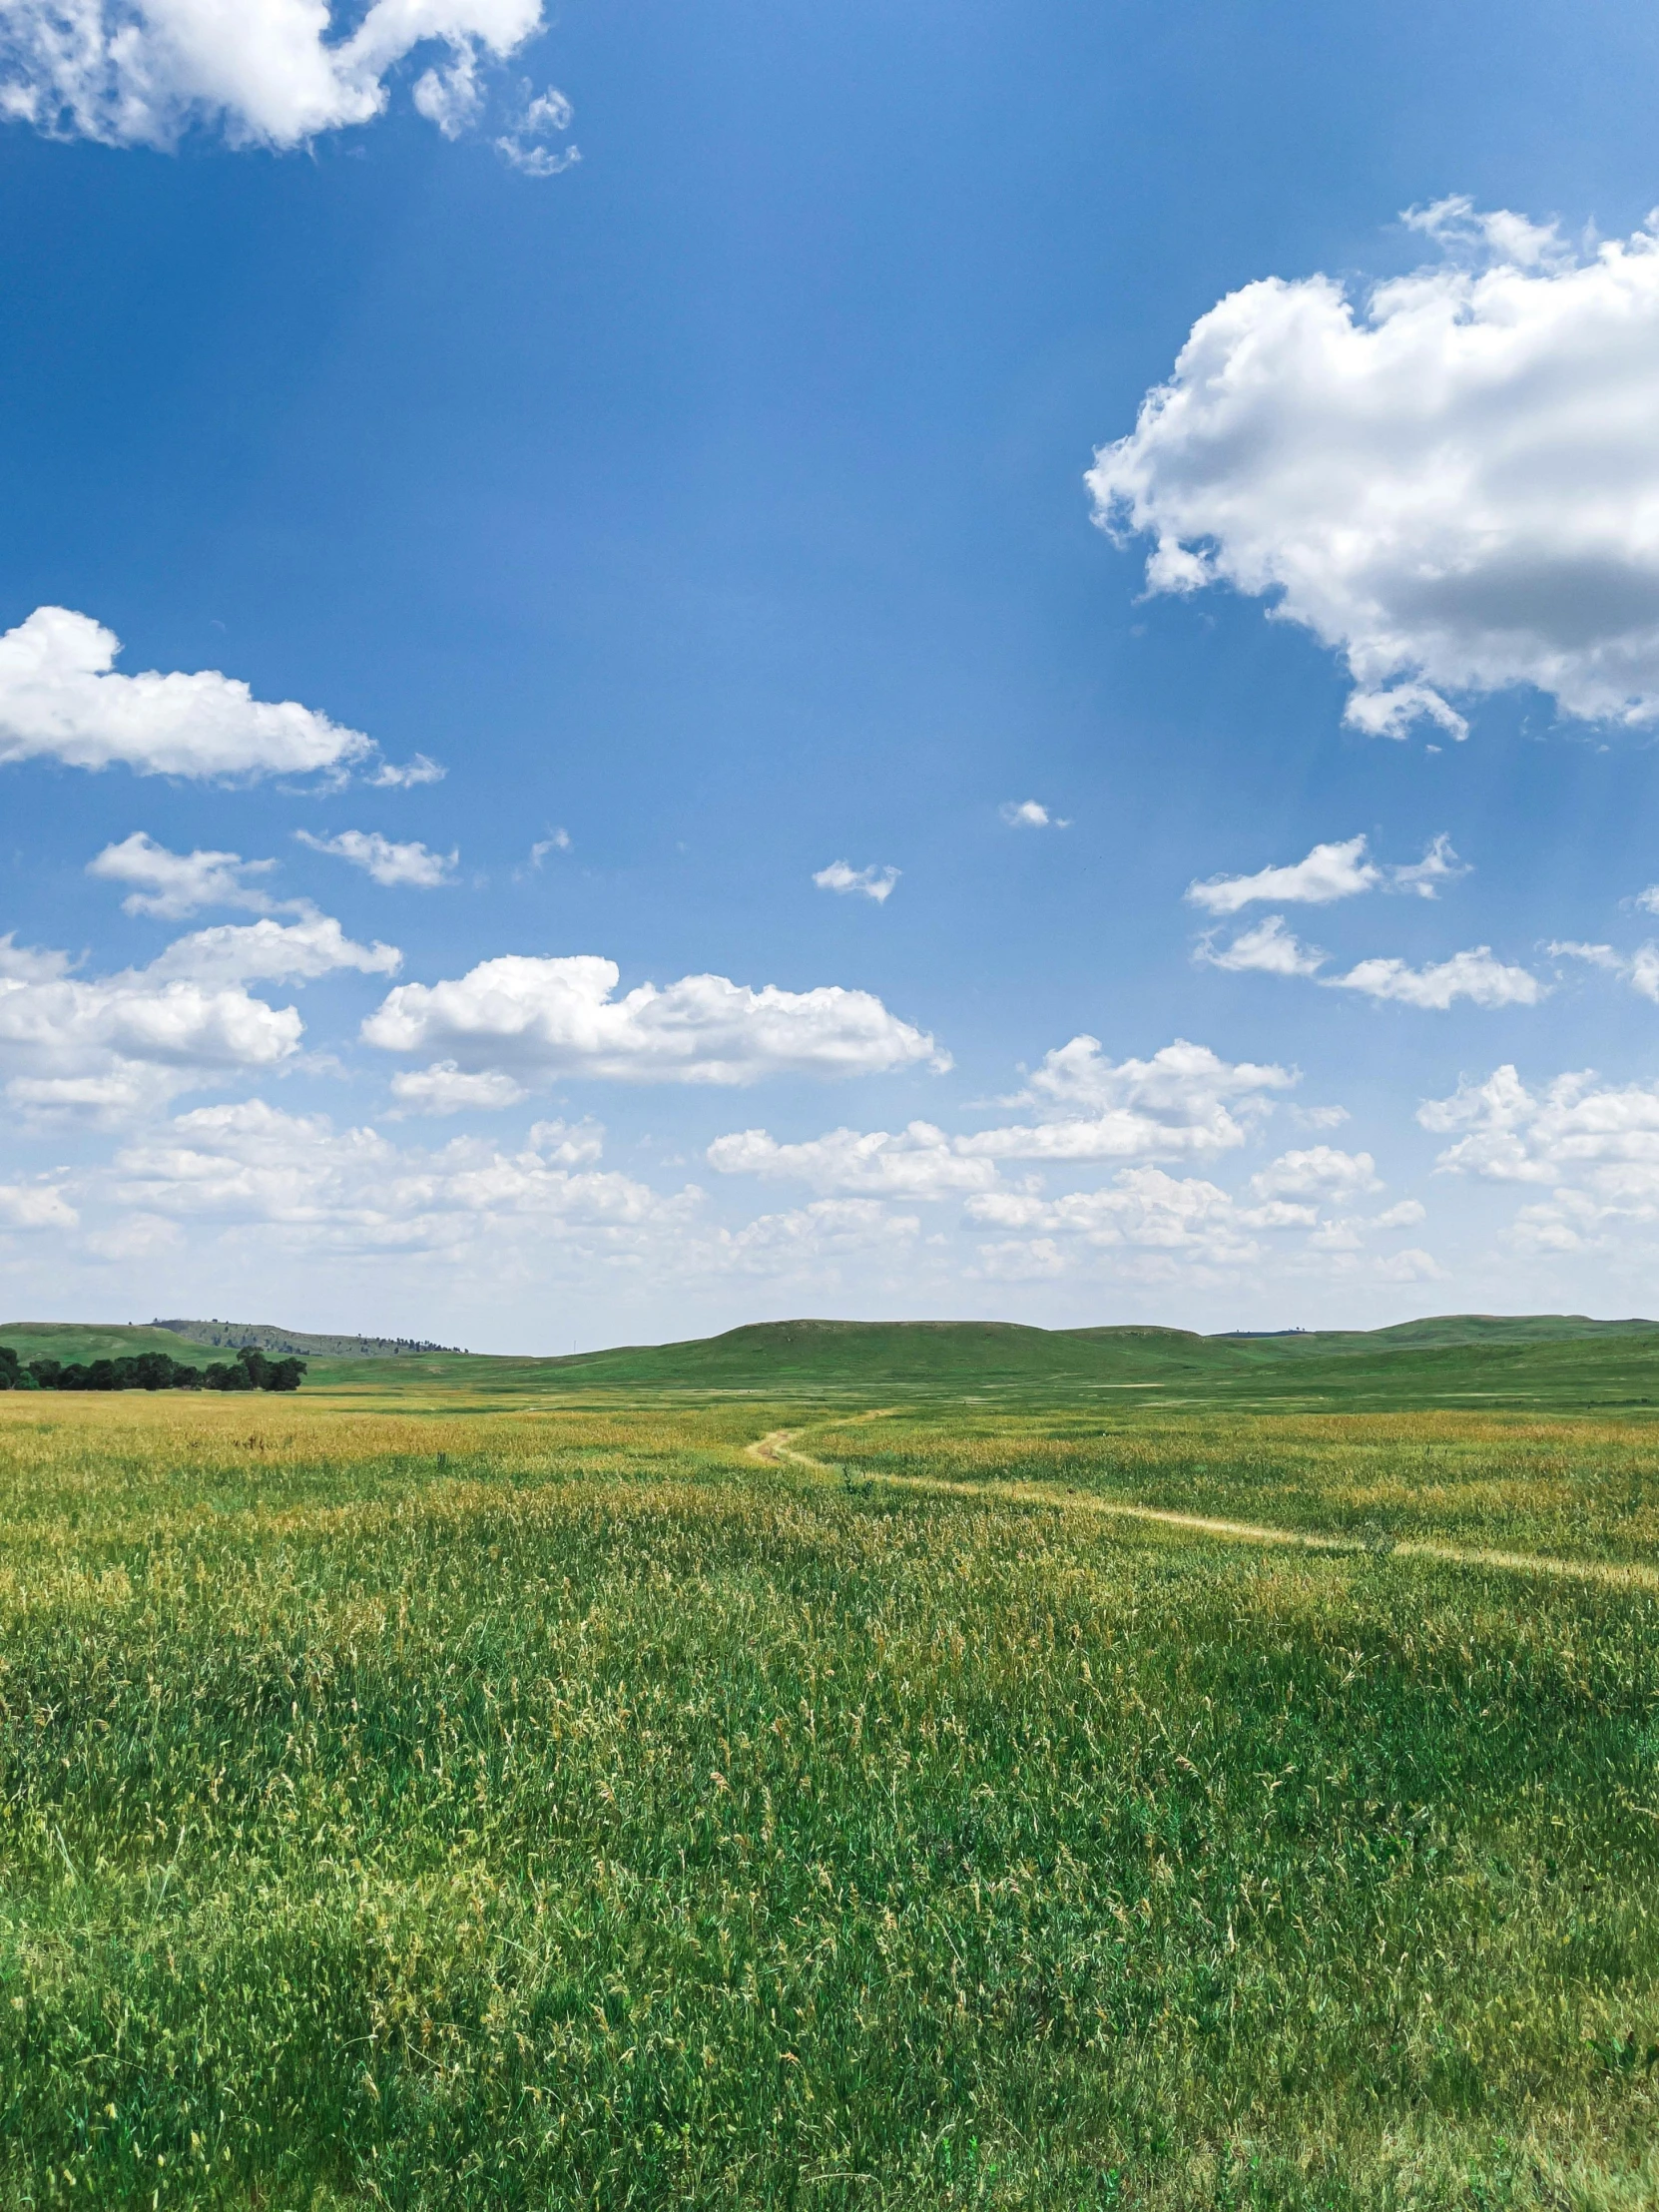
(732, 1794)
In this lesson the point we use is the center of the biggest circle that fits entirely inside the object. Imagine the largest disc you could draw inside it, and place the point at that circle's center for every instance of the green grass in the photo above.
(85, 1342)
(1578, 1488)
(1538, 1360)
(1531, 1361)
(422, 1802)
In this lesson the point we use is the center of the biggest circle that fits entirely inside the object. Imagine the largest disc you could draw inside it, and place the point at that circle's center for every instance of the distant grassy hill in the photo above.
(961, 1355)
(231, 1335)
(953, 1353)
(1482, 1328)
(89, 1341)
(1534, 1360)
(181, 1340)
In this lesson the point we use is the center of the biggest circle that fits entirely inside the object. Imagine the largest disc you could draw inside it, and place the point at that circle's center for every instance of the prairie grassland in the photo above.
(1582, 1488)
(419, 1805)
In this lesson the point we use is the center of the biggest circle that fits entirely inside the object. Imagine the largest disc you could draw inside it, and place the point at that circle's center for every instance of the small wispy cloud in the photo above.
(1030, 813)
(389, 864)
(871, 883)
(519, 146)
(401, 777)
(1270, 948)
(1640, 971)
(1440, 864)
(1594, 955)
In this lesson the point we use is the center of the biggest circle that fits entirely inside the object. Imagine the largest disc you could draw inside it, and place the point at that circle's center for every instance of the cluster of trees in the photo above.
(150, 1371)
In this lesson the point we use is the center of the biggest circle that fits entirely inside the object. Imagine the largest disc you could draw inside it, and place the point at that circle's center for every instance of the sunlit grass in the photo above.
(427, 1806)
(1580, 1488)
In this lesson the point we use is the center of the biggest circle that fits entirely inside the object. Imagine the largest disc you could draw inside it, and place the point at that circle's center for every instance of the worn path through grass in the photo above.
(777, 1449)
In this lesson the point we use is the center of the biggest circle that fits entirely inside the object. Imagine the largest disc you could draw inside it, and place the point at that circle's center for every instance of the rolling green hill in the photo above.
(1531, 1361)
(1536, 1362)
(1468, 1357)
(89, 1341)
(231, 1335)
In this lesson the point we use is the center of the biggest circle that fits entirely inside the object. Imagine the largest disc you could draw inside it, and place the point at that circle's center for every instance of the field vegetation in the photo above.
(715, 1797)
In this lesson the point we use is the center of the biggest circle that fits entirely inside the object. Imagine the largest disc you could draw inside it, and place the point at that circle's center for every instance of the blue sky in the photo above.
(671, 423)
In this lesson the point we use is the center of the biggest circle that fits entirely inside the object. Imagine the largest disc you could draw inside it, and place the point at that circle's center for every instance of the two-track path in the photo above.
(777, 1449)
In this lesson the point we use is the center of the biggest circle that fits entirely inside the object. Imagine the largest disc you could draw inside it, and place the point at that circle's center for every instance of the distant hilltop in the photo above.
(231, 1335)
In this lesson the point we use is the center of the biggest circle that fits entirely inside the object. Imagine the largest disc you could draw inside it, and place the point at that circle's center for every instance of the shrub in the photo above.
(150, 1371)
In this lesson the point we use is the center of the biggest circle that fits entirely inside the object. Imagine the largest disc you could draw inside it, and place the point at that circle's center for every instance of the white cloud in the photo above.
(1440, 864)
(444, 1088)
(173, 884)
(267, 72)
(1281, 1212)
(1144, 1207)
(1594, 955)
(1329, 873)
(270, 951)
(450, 97)
(112, 1046)
(917, 1161)
(387, 864)
(271, 1184)
(1405, 1215)
(539, 1018)
(1319, 1172)
(135, 1236)
(537, 161)
(402, 776)
(1319, 1117)
(1393, 712)
(1030, 813)
(350, 1191)
(873, 882)
(35, 1206)
(822, 1233)
(1640, 971)
(551, 112)
(1164, 1226)
(1473, 976)
(1269, 949)
(1182, 1100)
(567, 1144)
(1596, 1145)
(1411, 1265)
(60, 700)
(1453, 484)
(1572, 1130)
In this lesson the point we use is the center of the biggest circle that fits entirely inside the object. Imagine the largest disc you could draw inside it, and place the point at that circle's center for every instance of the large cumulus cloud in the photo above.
(1454, 482)
(267, 72)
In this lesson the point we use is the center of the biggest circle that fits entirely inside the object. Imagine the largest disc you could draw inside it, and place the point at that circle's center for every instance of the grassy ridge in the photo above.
(1600, 1366)
(553, 1806)
(86, 1342)
(1526, 1361)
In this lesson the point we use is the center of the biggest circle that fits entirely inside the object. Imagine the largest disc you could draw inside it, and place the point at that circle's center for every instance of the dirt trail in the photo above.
(775, 1449)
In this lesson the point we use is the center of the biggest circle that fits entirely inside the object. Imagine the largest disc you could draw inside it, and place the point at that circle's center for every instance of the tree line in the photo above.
(150, 1371)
